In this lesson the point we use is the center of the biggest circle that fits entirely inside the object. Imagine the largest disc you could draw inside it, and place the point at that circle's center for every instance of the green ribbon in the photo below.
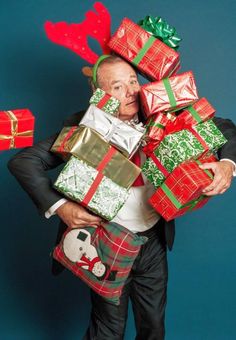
(160, 29)
(170, 93)
(177, 204)
(155, 124)
(143, 51)
(194, 113)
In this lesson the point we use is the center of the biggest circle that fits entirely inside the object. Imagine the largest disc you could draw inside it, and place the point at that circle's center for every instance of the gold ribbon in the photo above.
(14, 130)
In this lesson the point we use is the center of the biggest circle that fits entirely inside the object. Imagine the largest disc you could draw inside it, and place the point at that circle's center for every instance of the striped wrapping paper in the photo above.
(182, 190)
(152, 57)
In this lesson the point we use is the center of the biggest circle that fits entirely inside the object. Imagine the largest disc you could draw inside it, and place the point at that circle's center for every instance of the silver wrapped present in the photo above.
(125, 137)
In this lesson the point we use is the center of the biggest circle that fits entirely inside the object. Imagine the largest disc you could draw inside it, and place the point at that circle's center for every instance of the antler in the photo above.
(74, 36)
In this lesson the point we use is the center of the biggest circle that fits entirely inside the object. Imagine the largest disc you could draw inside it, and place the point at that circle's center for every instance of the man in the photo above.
(147, 283)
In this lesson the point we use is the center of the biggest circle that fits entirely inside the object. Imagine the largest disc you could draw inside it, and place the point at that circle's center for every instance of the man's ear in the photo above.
(88, 72)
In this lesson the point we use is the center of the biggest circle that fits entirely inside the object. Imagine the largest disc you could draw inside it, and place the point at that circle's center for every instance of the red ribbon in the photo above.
(178, 125)
(103, 101)
(136, 159)
(99, 176)
(61, 148)
(84, 261)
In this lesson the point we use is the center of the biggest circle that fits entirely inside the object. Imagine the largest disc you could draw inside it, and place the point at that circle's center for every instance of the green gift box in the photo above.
(179, 146)
(105, 102)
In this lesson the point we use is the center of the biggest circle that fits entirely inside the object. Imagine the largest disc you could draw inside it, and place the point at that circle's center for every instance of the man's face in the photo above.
(120, 81)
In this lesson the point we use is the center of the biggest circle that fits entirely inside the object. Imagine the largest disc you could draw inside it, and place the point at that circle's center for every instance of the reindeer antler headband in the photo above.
(97, 25)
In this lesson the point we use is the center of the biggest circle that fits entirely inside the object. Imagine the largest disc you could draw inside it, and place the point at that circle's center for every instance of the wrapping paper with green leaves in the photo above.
(76, 179)
(105, 102)
(180, 146)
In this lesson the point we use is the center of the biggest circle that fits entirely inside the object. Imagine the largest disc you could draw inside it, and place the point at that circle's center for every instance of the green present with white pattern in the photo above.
(111, 104)
(180, 146)
(75, 180)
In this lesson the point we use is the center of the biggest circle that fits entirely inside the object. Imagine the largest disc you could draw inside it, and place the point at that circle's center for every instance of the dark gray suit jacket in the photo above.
(29, 166)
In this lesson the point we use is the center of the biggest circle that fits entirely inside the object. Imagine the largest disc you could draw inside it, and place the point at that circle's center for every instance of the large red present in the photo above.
(169, 94)
(16, 129)
(199, 112)
(182, 190)
(151, 56)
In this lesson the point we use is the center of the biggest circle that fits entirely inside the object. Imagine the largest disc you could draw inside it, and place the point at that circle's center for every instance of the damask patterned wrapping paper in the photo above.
(105, 102)
(123, 136)
(180, 146)
(194, 114)
(169, 94)
(182, 190)
(16, 129)
(152, 57)
(89, 146)
(77, 181)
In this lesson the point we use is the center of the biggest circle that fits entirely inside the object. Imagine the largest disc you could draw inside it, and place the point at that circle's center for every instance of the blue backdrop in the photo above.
(47, 79)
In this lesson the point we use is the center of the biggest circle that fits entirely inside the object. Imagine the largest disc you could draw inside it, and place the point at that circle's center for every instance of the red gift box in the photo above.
(16, 129)
(151, 56)
(155, 129)
(169, 94)
(199, 112)
(182, 190)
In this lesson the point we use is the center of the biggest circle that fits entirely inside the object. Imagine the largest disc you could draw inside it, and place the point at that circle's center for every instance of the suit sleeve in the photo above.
(30, 165)
(228, 128)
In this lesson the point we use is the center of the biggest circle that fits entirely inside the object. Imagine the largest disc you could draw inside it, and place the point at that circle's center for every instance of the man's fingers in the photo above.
(206, 166)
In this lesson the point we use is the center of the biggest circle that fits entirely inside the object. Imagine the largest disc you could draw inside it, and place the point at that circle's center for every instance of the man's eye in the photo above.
(134, 82)
(117, 87)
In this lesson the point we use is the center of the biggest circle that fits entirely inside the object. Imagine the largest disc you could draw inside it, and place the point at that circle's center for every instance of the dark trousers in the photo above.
(146, 287)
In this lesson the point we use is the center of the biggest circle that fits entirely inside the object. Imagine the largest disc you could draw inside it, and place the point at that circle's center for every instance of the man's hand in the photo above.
(74, 216)
(223, 174)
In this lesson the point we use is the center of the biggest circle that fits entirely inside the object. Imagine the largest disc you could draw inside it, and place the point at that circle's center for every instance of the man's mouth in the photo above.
(133, 102)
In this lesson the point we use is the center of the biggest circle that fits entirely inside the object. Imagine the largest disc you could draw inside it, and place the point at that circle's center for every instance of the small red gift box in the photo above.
(16, 129)
(182, 190)
(155, 129)
(151, 56)
(169, 94)
(199, 112)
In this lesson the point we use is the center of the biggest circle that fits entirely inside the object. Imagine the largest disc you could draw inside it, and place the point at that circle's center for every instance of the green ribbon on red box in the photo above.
(161, 30)
(194, 113)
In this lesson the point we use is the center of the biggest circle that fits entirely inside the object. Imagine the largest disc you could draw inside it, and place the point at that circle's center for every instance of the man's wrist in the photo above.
(232, 162)
(52, 210)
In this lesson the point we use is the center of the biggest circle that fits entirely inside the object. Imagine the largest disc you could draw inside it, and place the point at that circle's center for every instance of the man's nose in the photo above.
(130, 91)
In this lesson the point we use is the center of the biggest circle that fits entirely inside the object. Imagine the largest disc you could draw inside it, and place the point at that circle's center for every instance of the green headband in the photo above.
(95, 67)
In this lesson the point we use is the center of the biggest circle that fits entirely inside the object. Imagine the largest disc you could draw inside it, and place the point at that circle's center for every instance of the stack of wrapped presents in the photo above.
(99, 173)
(180, 132)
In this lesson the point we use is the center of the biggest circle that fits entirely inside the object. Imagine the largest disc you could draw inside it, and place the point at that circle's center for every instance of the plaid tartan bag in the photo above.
(101, 257)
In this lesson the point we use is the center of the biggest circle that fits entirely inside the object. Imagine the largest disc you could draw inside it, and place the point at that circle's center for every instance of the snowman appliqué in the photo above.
(78, 249)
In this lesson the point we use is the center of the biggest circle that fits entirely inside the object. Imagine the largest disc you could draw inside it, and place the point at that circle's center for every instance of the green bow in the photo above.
(161, 30)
